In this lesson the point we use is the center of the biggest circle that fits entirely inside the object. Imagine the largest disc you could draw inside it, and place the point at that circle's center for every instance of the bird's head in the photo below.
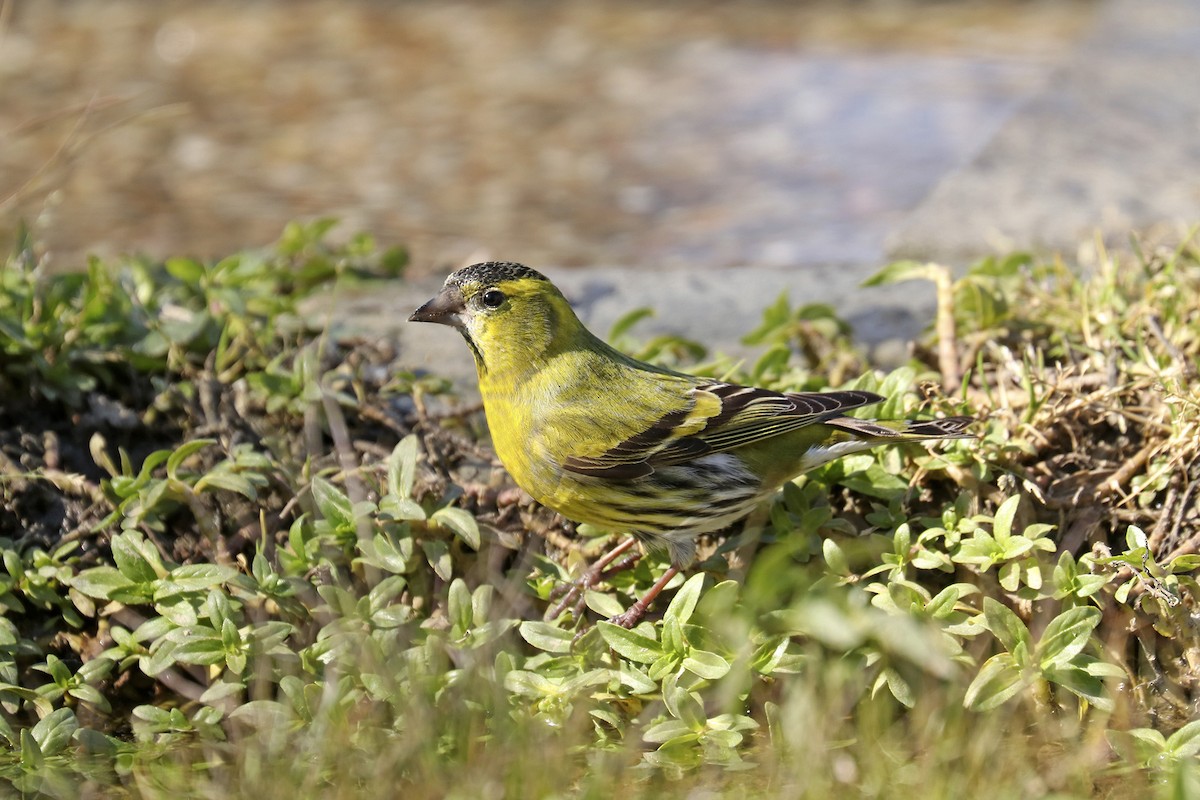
(511, 316)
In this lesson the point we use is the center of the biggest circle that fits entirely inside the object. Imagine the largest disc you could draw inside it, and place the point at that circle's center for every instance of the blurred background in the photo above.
(760, 135)
(562, 133)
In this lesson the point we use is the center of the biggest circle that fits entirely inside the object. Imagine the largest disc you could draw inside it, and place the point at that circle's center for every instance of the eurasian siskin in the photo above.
(626, 446)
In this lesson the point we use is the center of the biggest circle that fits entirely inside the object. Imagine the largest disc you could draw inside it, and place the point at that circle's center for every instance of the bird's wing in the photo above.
(720, 416)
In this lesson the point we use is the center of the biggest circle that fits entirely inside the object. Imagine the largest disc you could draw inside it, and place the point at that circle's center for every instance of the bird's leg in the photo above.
(634, 614)
(568, 593)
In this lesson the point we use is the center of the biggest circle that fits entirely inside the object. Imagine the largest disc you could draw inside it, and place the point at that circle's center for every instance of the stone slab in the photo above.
(1112, 144)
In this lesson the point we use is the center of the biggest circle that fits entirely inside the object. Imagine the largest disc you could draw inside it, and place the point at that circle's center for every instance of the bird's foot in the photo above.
(573, 593)
(630, 617)
(633, 615)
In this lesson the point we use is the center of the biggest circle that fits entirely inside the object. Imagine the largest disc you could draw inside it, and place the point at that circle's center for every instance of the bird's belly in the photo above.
(697, 497)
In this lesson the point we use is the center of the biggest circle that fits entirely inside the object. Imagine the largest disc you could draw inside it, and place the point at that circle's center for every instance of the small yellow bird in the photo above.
(627, 446)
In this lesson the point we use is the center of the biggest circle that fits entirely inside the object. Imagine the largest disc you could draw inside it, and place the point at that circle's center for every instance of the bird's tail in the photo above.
(881, 430)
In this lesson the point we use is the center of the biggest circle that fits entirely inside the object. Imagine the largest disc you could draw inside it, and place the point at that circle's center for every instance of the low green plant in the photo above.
(290, 575)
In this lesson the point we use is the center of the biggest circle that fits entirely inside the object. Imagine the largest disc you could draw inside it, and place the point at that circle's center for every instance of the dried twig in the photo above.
(947, 346)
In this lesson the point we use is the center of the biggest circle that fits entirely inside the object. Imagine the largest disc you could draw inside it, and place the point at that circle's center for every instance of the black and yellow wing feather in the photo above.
(718, 417)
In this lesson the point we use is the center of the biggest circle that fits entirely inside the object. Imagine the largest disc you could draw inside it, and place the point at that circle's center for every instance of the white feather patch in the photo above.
(816, 456)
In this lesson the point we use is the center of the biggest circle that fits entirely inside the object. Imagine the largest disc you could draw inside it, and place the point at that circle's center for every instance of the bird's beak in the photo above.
(443, 309)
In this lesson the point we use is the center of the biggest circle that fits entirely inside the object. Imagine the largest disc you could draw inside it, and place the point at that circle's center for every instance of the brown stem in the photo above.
(638, 610)
(946, 333)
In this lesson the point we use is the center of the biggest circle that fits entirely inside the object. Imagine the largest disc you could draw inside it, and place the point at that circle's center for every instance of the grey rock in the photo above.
(1111, 144)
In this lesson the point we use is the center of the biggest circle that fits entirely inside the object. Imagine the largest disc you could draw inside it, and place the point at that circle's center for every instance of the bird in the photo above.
(627, 446)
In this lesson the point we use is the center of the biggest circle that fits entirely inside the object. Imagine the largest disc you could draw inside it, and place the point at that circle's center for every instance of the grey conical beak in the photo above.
(443, 309)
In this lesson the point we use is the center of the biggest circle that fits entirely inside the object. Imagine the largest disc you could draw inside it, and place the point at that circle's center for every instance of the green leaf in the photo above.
(906, 597)
(976, 302)
(183, 452)
(595, 677)
(263, 715)
(670, 637)
(222, 690)
(627, 321)
(1006, 625)
(162, 656)
(1003, 521)
(53, 733)
(636, 679)
(148, 466)
(204, 650)
(904, 270)
(547, 637)
(383, 553)
(437, 553)
(193, 578)
(461, 522)
(709, 666)
(775, 317)
(180, 612)
(980, 549)
(717, 602)
(231, 637)
(185, 269)
(1079, 682)
(997, 682)
(230, 482)
(1010, 576)
(1154, 740)
(665, 731)
(900, 688)
(684, 602)
(942, 604)
(481, 604)
(402, 508)
(459, 605)
(835, 558)
(100, 582)
(90, 694)
(1037, 531)
(335, 507)
(933, 560)
(630, 644)
(1135, 538)
(1067, 635)
(236, 662)
(1065, 570)
(1101, 669)
(529, 684)
(1181, 564)
(1185, 742)
(1122, 593)
(722, 738)
(1014, 547)
(136, 557)
(682, 704)
(153, 629)
(603, 604)
(31, 754)
(13, 564)
(402, 467)
(57, 670)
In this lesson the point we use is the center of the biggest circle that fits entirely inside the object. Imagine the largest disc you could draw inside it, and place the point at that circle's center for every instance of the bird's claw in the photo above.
(567, 594)
(630, 617)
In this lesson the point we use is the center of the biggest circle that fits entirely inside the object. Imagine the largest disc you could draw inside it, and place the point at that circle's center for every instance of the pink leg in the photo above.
(638, 610)
(570, 592)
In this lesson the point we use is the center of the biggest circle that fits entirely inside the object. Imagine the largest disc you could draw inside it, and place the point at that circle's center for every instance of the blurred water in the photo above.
(642, 135)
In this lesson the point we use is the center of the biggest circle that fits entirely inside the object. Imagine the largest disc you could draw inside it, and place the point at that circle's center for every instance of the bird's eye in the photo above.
(492, 298)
